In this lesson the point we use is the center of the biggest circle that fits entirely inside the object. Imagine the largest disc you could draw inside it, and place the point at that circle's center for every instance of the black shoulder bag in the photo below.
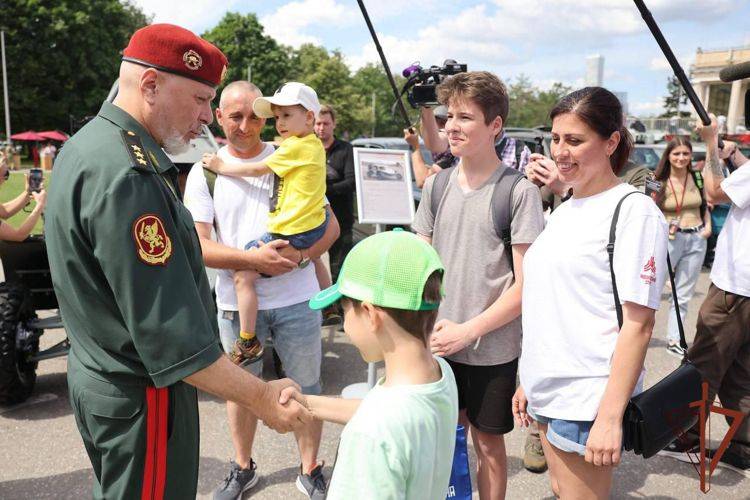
(660, 414)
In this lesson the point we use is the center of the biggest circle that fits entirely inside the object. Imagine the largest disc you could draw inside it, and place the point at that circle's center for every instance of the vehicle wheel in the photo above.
(17, 345)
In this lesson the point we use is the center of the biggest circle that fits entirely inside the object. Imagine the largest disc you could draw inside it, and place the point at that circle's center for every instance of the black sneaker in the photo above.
(733, 461)
(683, 448)
(676, 350)
(313, 485)
(237, 482)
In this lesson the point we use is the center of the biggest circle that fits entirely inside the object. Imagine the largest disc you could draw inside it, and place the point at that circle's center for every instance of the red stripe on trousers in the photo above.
(155, 469)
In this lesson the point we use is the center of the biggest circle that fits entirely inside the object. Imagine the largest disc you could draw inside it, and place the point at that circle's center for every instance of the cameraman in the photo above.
(12, 207)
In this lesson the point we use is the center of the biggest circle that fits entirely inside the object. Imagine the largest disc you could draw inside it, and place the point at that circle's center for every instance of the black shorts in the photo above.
(485, 392)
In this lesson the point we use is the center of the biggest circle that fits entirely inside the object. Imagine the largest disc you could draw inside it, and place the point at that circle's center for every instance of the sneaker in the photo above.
(313, 485)
(237, 482)
(733, 461)
(246, 351)
(331, 316)
(676, 350)
(533, 457)
(683, 449)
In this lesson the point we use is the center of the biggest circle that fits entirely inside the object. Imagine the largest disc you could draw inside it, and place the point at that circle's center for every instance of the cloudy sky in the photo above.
(544, 39)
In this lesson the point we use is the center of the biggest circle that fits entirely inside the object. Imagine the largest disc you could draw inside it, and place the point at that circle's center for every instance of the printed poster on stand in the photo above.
(384, 186)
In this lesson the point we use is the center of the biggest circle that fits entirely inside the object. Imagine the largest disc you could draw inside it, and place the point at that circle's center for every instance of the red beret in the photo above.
(176, 50)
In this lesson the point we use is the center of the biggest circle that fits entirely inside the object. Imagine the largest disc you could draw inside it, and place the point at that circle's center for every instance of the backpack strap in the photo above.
(438, 189)
(502, 202)
(210, 180)
(611, 252)
(502, 208)
(698, 180)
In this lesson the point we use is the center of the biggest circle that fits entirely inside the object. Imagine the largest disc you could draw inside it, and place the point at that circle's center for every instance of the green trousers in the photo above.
(143, 442)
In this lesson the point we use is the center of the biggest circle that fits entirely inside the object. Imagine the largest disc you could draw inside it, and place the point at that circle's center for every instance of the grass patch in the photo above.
(11, 189)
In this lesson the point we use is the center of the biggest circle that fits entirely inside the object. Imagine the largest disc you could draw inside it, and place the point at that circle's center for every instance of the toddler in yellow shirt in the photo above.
(297, 211)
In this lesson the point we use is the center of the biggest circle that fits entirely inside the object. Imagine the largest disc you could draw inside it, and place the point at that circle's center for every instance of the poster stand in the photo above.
(384, 196)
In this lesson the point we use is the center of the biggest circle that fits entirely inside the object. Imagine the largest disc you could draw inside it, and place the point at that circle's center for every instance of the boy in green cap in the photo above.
(398, 441)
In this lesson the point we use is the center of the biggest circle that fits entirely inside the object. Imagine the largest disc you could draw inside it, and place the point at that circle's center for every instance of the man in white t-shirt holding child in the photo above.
(238, 210)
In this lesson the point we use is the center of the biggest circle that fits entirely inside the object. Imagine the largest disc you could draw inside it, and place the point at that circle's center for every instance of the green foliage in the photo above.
(329, 75)
(371, 80)
(62, 57)
(243, 41)
(530, 106)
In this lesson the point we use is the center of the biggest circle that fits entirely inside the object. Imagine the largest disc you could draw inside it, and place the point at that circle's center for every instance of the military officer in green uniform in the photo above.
(127, 270)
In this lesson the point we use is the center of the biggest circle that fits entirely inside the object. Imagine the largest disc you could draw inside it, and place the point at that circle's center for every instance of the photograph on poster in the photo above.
(384, 186)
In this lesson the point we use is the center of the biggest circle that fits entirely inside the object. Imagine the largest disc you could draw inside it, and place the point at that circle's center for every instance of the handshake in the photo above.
(283, 407)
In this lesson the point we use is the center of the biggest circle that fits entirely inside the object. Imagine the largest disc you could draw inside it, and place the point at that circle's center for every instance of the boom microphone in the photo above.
(735, 72)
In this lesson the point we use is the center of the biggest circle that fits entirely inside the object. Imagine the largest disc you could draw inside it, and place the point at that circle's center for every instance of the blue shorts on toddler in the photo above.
(300, 241)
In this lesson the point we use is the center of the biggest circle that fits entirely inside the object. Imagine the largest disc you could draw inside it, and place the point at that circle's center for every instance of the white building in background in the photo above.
(719, 98)
(594, 71)
(623, 97)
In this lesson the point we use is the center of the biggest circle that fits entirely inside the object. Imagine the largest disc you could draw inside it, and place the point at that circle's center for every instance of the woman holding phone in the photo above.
(12, 207)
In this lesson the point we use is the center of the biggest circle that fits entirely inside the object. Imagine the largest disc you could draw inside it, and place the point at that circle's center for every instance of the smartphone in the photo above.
(36, 179)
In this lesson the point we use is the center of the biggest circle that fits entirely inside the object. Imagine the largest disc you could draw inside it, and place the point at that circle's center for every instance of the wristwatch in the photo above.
(303, 260)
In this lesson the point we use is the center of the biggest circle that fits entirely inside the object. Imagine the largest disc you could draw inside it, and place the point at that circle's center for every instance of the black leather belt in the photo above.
(691, 229)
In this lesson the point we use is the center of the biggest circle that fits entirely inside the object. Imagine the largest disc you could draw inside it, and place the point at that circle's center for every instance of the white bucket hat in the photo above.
(288, 94)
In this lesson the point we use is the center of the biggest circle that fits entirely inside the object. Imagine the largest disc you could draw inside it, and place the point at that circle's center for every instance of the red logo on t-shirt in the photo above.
(649, 271)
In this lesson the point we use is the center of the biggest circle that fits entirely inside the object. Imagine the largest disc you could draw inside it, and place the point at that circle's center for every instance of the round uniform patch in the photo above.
(152, 243)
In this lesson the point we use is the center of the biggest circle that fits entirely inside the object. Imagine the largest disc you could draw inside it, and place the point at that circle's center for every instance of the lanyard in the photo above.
(684, 188)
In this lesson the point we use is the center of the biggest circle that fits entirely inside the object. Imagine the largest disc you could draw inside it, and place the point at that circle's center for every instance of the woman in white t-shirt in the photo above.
(577, 368)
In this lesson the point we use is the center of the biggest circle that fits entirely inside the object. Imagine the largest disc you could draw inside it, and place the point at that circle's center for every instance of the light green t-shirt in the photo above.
(399, 443)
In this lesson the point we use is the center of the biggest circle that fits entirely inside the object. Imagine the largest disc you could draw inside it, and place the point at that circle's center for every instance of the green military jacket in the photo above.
(125, 258)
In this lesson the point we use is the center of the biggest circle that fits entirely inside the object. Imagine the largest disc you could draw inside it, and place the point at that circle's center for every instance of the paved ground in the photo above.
(42, 455)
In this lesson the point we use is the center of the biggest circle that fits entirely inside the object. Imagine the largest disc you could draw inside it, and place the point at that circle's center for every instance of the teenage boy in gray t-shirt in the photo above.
(479, 327)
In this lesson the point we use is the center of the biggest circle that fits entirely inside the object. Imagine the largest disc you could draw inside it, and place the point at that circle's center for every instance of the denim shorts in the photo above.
(566, 435)
(300, 241)
(295, 332)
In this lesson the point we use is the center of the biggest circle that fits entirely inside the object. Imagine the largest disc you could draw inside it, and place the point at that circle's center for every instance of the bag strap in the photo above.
(611, 252)
(502, 203)
(210, 181)
(502, 208)
(439, 186)
(698, 180)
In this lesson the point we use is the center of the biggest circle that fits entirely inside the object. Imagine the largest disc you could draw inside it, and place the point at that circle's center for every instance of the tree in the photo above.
(63, 56)
(530, 106)
(245, 44)
(675, 97)
(329, 75)
(369, 81)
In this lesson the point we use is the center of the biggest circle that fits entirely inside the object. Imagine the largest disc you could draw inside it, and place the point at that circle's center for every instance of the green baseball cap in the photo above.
(386, 269)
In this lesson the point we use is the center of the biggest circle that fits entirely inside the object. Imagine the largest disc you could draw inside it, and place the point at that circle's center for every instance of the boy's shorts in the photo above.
(486, 392)
(299, 241)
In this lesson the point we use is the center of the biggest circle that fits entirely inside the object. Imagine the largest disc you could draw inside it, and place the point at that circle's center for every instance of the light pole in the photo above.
(5, 88)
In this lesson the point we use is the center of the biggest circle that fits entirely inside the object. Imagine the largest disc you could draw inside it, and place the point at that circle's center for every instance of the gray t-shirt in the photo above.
(477, 270)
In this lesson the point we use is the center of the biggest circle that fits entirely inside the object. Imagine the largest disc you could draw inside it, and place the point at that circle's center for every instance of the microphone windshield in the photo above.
(735, 72)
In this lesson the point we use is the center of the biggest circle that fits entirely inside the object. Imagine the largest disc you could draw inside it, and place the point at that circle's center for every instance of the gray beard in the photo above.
(175, 146)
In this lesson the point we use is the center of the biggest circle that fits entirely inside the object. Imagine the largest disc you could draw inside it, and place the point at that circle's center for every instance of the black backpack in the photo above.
(502, 202)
